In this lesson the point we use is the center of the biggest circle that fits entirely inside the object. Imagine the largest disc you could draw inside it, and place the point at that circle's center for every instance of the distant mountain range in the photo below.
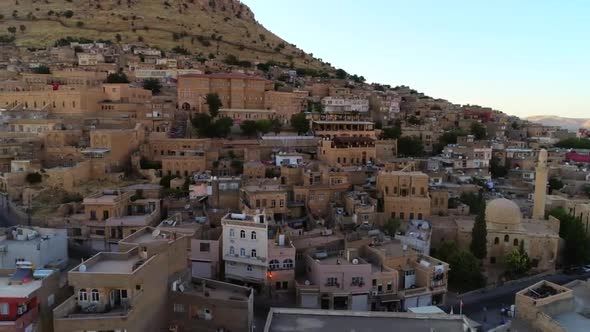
(554, 120)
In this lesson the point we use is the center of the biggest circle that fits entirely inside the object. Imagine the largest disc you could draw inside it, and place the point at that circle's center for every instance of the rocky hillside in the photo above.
(206, 27)
(567, 123)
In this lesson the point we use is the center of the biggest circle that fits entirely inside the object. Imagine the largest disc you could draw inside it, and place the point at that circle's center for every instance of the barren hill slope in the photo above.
(218, 27)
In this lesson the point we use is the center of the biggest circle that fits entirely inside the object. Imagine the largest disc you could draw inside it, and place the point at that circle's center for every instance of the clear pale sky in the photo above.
(521, 57)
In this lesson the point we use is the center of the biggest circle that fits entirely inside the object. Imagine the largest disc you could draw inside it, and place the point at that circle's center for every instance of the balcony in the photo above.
(71, 316)
(260, 261)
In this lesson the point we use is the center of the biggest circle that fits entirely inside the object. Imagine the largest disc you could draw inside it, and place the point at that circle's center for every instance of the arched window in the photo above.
(242, 252)
(253, 235)
(288, 263)
(232, 232)
(242, 234)
(253, 253)
(506, 238)
(274, 264)
(249, 268)
(515, 242)
(232, 250)
(82, 295)
(496, 240)
(94, 296)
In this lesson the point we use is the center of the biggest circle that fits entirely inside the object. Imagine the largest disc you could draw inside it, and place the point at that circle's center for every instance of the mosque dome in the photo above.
(503, 213)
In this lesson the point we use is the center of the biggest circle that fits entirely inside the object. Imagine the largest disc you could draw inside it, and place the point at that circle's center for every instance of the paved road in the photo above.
(484, 307)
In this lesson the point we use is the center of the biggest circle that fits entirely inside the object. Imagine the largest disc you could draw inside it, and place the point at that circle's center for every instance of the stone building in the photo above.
(507, 229)
(235, 91)
(124, 290)
(405, 194)
(347, 151)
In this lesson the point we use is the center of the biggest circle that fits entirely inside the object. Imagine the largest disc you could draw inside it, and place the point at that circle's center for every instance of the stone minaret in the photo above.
(540, 186)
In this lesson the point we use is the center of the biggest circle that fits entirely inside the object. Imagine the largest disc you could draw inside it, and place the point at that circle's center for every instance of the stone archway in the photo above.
(186, 106)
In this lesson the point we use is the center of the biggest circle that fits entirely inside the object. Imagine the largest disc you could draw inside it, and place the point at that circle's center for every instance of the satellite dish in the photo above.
(156, 232)
(355, 261)
(307, 283)
(181, 288)
(82, 268)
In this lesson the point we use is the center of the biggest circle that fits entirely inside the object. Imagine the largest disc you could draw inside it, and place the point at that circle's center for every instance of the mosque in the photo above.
(507, 229)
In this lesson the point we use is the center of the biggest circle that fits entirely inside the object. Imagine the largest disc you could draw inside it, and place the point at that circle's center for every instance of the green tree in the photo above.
(414, 120)
(555, 184)
(12, 30)
(42, 70)
(237, 166)
(165, 180)
(497, 170)
(478, 130)
(222, 127)
(276, 126)
(586, 190)
(118, 77)
(479, 235)
(118, 38)
(249, 128)
(391, 226)
(68, 13)
(202, 123)
(476, 202)
(446, 250)
(214, 102)
(263, 126)
(410, 146)
(152, 84)
(22, 28)
(391, 132)
(300, 123)
(341, 74)
(574, 143)
(574, 234)
(465, 271)
(518, 261)
(34, 178)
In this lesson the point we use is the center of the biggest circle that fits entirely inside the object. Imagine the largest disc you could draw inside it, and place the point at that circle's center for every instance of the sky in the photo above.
(521, 57)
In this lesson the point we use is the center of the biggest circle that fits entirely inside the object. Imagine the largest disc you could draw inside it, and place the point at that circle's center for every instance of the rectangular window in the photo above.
(282, 203)
(204, 247)
(178, 307)
(3, 308)
(389, 286)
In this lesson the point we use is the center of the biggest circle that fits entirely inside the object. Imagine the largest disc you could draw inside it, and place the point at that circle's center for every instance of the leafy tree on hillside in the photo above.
(214, 102)
(479, 235)
(341, 74)
(118, 77)
(555, 184)
(586, 190)
(518, 261)
(12, 30)
(410, 146)
(249, 128)
(391, 226)
(263, 126)
(391, 132)
(497, 170)
(276, 126)
(152, 84)
(34, 178)
(465, 271)
(478, 130)
(42, 70)
(574, 143)
(573, 232)
(300, 123)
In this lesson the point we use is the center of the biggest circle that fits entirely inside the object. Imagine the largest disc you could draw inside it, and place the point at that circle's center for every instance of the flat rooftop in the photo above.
(308, 320)
(109, 262)
(16, 290)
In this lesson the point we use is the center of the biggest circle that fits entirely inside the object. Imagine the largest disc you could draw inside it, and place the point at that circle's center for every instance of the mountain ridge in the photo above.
(210, 28)
(564, 122)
